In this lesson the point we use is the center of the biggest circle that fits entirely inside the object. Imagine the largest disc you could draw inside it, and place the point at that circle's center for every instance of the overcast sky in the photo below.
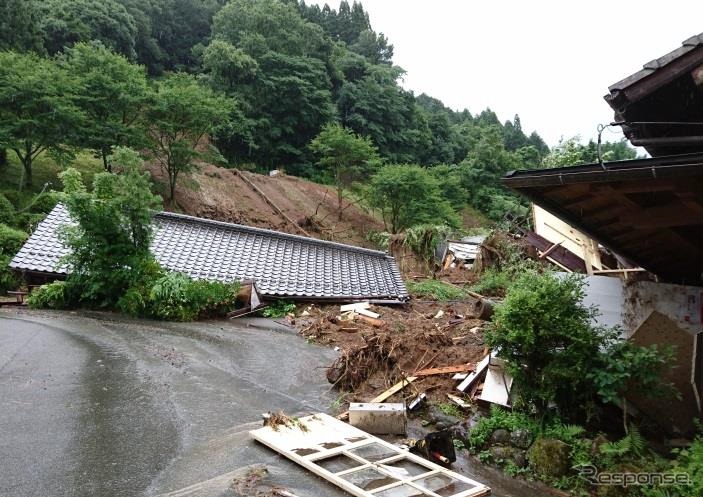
(549, 62)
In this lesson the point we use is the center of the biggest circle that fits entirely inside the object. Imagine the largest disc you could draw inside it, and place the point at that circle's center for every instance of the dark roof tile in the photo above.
(281, 264)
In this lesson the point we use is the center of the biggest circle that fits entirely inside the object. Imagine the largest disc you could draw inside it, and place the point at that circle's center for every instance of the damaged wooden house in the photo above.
(279, 265)
(650, 212)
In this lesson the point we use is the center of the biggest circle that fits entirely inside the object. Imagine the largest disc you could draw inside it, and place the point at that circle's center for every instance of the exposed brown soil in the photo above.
(221, 194)
(412, 338)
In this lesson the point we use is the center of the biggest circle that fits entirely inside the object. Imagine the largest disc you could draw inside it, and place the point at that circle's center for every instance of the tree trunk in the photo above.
(106, 164)
(27, 163)
(339, 203)
(172, 177)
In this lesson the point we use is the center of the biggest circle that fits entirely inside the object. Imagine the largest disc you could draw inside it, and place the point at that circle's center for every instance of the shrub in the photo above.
(499, 419)
(111, 241)
(175, 297)
(436, 290)
(7, 211)
(278, 309)
(50, 296)
(11, 240)
(556, 354)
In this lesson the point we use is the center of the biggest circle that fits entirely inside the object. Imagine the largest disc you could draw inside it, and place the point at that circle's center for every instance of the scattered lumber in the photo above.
(354, 307)
(376, 323)
(368, 313)
(457, 368)
(480, 370)
(458, 401)
(394, 389)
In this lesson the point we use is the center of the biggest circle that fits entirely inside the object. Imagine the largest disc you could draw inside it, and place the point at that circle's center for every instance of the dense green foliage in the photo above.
(344, 158)
(408, 195)
(180, 115)
(38, 108)
(435, 290)
(175, 297)
(557, 355)
(10, 242)
(110, 242)
(113, 93)
(74, 74)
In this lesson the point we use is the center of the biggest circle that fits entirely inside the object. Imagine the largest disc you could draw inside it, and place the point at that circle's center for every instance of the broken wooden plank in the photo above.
(394, 389)
(457, 368)
(481, 368)
(368, 313)
(376, 323)
(459, 401)
(354, 307)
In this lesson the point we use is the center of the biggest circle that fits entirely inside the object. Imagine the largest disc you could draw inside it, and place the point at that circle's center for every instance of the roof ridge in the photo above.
(268, 232)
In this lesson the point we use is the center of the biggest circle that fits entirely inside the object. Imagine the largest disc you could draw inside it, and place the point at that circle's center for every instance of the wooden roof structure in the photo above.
(648, 210)
(661, 106)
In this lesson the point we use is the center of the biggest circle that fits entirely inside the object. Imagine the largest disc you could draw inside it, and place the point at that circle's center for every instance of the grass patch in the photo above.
(436, 290)
(450, 409)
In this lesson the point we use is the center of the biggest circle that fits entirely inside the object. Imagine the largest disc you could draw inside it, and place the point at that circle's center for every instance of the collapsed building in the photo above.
(280, 265)
(647, 211)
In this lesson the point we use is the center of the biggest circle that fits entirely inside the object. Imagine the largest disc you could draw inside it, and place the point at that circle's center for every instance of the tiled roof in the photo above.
(281, 264)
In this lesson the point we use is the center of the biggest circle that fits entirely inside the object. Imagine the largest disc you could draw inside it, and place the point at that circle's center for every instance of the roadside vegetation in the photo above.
(111, 266)
(569, 377)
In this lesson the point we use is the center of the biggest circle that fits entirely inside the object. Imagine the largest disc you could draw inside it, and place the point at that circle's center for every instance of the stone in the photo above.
(500, 436)
(521, 438)
(460, 431)
(520, 458)
(500, 453)
(442, 420)
(549, 457)
(504, 454)
(596, 444)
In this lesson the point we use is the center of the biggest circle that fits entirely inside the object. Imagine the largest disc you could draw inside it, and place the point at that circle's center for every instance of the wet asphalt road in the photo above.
(101, 406)
(104, 406)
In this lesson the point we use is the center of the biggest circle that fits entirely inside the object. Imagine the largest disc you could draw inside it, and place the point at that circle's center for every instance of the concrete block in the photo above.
(378, 418)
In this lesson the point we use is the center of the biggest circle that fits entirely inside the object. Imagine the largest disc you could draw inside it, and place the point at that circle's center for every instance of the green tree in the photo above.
(110, 243)
(450, 183)
(344, 157)
(19, 28)
(66, 22)
(182, 112)
(261, 26)
(408, 195)
(113, 94)
(227, 66)
(557, 355)
(38, 108)
(572, 152)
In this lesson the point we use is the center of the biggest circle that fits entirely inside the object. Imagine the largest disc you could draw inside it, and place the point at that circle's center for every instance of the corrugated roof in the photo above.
(648, 210)
(660, 107)
(282, 265)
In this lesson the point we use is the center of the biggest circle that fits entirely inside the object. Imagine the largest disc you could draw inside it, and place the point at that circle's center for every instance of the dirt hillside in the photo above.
(228, 195)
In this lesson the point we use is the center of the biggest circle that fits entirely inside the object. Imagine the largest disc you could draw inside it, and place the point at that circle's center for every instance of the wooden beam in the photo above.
(394, 389)
(459, 368)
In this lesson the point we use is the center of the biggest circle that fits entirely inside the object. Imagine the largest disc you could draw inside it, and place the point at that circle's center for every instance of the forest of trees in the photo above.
(263, 79)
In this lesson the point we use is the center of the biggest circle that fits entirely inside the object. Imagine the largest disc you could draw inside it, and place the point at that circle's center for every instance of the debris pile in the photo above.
(428, 340)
